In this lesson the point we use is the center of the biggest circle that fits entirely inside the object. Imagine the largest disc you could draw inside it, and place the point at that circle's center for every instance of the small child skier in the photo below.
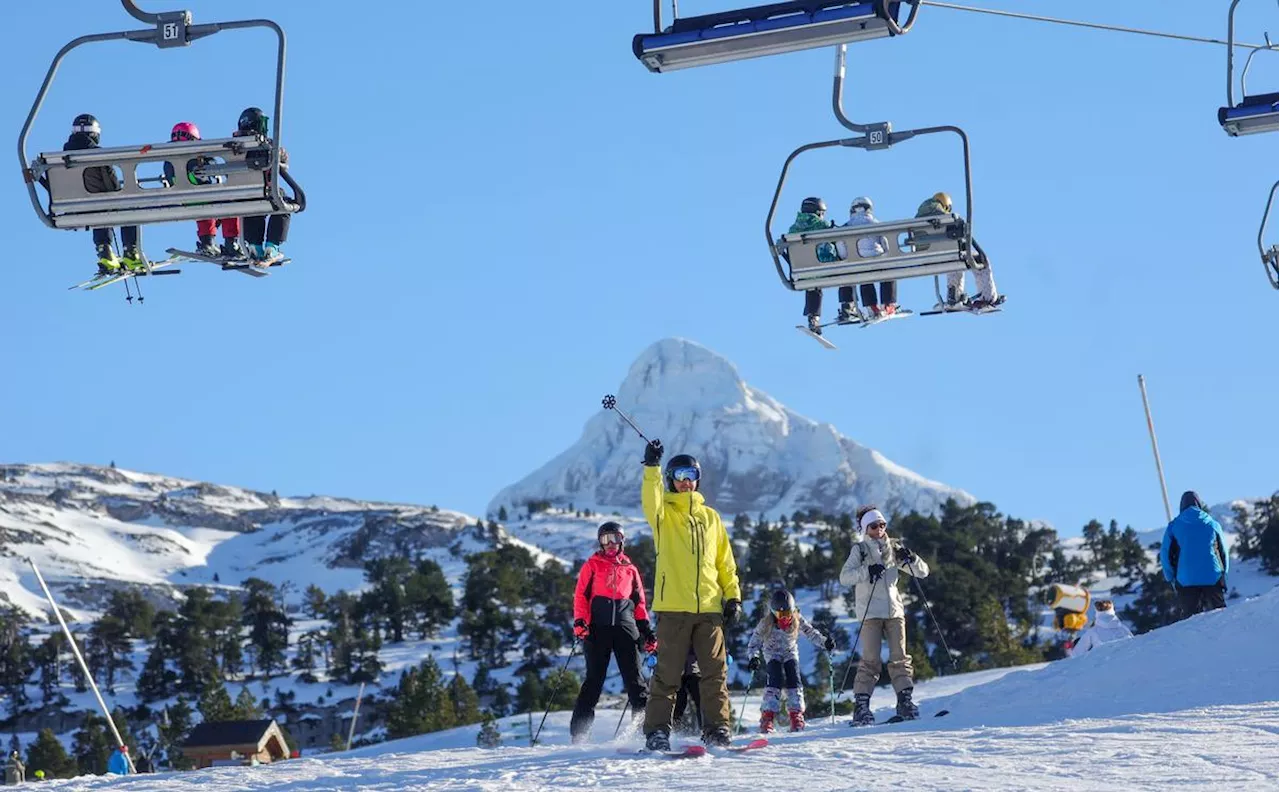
(813, 217)
(775, 636)
(206, 230)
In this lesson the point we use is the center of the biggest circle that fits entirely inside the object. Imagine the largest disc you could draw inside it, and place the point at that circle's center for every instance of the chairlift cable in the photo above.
(1094, 25)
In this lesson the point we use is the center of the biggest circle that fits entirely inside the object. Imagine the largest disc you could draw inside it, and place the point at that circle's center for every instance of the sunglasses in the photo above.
(610, 540)
(685, 474)
(877, 526)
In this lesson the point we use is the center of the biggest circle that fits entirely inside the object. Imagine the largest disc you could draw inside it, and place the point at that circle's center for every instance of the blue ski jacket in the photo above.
(1194, 550)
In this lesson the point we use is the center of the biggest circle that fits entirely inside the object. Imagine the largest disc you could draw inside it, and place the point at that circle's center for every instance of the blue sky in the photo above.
(506, 208)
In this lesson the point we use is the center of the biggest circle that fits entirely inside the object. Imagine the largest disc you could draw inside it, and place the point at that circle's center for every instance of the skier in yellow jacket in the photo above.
(695, 593)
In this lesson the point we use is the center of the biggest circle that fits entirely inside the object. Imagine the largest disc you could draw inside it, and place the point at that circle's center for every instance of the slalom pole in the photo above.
(83, 666)
(1155, 449)
(551, 699)
(610, 402)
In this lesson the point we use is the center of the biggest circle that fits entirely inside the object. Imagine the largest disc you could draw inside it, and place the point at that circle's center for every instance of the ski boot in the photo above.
(848, 314)
(797, 720)
(981, 303)
(208, 246)
(257, 252)
(815, 324)
(955, 301)
(108, 264)
(766, 722)
(889, 310)
(658, 740)
(232, 249)
(906, 707)
(862, 711)
(271, 252)
(719, 737)
(133, 260)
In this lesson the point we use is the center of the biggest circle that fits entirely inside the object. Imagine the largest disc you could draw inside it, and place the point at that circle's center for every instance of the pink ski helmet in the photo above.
(184, 130)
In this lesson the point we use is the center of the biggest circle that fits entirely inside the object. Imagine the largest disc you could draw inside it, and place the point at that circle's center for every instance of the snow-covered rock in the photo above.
(756, 455)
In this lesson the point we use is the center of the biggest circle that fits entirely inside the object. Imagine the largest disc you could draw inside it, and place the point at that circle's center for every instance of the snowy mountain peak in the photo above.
(756, 455)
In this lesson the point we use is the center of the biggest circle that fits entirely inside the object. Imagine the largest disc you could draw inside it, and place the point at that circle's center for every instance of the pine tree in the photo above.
(489, 736)
(215, 703)
(48, 659)
(109, 649)
(134, 612)
(174, 727)
(46, 753)
(429, 598)
(314, 602)
(1257, 533)
(463, 701)
(91, 746)
(246, 707)
(268, 625)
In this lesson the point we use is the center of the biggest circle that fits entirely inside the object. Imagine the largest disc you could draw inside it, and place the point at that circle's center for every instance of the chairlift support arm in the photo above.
(171, 29)
(1269, 257)
(1231, 51)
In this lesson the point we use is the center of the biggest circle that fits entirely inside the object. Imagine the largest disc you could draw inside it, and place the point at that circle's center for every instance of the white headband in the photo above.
(873, 516)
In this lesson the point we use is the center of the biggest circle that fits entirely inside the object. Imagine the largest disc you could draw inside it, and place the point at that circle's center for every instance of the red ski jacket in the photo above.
(609, 592)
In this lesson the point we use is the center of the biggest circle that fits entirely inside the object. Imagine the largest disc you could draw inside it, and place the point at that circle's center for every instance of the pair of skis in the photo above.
(898, 719)
(257, 269)
(865, 322)
(106, 279)
(693, 751)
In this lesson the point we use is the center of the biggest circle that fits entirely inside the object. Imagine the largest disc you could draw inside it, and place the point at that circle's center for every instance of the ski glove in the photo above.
(653, 453)
(829, 644)
(580, 629)
(905, 554)
(875, 571)
(754, 665)
(732, 611)
(648, 641)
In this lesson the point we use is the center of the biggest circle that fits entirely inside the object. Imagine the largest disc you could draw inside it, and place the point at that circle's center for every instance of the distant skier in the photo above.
(86, 133)
(206, 230)
(813, 217)
(1194, 557)
(867, 248)
(1106, 628)
(610, 618)
(696, 593)
(263, 234)
(776, 638)
(118, 764)
(14, 772)
(873, 568)
(938, 204)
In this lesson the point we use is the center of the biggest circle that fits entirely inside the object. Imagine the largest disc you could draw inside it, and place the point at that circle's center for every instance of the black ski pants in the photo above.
(600, 645)
(128, 237)
(888, 293)
(261, 228)
(782, 674)
(1198, 599)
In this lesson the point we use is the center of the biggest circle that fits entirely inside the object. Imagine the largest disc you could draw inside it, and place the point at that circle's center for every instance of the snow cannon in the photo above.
(1070, 605)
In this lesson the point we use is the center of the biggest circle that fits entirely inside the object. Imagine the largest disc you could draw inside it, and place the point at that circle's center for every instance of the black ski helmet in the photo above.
(679, 461)
(252, 120)
(608, 528)
(88, 124)
(782, 601)
(813, 205)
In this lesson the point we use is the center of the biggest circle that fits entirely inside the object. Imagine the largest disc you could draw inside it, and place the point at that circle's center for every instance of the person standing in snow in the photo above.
(867, 248)
(872, 568)
(775, 637)
(1106, 628)
(696, 593)
(1194, 557)
(14, 772)
(118, 764)
(610, 618)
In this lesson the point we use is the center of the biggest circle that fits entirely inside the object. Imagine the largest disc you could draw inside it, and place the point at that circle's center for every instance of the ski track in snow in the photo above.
(1224, 747)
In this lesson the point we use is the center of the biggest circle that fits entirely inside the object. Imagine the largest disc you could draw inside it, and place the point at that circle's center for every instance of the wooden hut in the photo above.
(243, 742)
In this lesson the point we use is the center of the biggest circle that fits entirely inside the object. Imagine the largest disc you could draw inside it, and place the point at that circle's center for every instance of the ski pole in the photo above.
(627, 705)
(742, 711)
(936, 628)
(610, 402)
(831, 683)
(849, 663)
(551, 699)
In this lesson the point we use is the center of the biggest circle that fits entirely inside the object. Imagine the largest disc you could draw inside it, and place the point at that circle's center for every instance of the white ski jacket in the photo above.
(776, 643)
(884, 598)
(1106, 628)
(868, 247)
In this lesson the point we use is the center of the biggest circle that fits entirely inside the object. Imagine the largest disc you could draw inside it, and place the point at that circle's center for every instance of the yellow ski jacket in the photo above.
(696, 572)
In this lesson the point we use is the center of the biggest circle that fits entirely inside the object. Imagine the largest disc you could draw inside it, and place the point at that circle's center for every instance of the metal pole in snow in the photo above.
(83, 666)
(352, 731)
(1155, 449)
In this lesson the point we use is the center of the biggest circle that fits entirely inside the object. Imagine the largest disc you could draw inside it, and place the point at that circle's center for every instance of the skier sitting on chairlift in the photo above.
(86, 133)
(263, 234)
(813, 217)
(206, 230)
(867, 247)
(938, 204)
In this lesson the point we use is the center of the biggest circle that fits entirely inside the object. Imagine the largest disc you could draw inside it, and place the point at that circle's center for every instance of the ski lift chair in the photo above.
(1256, 113)
(248, 168)
(766, 30)
(918, 247)
(1270, 255)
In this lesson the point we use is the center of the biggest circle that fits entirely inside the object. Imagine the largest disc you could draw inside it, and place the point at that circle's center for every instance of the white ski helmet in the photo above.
(862, 201)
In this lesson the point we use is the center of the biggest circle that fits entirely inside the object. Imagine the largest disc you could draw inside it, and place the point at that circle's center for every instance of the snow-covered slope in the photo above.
(91, 528)
(1193, 705)
(757, 455)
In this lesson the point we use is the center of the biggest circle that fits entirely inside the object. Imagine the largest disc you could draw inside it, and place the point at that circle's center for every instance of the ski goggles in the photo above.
(684, 474)
(611, 540)
(783, 615)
